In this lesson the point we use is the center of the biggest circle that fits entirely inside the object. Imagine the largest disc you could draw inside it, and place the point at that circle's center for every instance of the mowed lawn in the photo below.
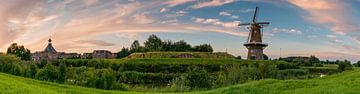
(343, 83)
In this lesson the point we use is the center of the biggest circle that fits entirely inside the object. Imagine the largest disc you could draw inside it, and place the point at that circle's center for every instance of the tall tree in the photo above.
(62, 73)
(167, 45)
(123, 53)
(182, 46)
(153, 43)
(136, 47)
(19, 51)
(203, 48)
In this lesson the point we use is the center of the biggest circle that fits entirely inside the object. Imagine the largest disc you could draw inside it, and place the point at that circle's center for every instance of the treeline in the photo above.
(177, 74)
(314, 61)
(155, 44)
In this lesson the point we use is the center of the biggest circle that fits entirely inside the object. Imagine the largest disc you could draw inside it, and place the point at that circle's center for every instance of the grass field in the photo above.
(347, 82)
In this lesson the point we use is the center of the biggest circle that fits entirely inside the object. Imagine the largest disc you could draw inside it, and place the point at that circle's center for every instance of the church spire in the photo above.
(49, 47)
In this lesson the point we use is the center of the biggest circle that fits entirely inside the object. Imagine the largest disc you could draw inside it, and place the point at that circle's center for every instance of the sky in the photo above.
(328, 29)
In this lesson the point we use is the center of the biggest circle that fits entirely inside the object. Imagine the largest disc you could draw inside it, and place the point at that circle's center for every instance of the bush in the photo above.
(49, 73)
(344, 65)
(199, 79)
(319, 65)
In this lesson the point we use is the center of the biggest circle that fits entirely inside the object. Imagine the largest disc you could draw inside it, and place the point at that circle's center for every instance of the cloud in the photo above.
(163, 10)
(128, 35)
(246, 10)
(331, 36)
(142, 19)
(289, 31)
(336, 41)
(177, 14)
(223, 13)
(212, 3)
(73, 24)
(11, 20)
(216, 22)
(333, 14)
(95, 42)
(172, 3)
(90, 2)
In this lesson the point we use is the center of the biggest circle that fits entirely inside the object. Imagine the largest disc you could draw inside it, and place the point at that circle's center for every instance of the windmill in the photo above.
(254, 42)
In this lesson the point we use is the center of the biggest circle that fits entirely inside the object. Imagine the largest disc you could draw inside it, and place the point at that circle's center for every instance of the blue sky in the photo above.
(325, 28)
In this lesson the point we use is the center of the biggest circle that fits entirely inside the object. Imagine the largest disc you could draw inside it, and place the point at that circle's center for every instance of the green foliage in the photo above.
(62, 73)
(339, 83)
(265, 57)
(175, 74)
(105, 79)
(199, 79)
(357, 64)
(123, 53)
(318, 65)
(48, 73)
(153, 43)
(238, 57)
(182, 55)
(344, 65)
(304, 61)
(203, 48)
(136, 47)
(19, 51)
(33, 70)
(181, 46)
(15, 85)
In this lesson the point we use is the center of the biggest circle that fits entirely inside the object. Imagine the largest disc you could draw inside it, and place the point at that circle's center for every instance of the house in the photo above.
(103, 54)
(51, 54)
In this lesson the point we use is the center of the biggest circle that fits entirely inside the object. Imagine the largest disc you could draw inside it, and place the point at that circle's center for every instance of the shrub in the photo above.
(344, 65)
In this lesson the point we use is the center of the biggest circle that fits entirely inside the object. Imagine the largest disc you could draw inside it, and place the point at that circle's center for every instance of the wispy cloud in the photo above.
(211, 3)
(223, 13)
(96, 42)
(172, 3)
(333, 14)
(289, 31)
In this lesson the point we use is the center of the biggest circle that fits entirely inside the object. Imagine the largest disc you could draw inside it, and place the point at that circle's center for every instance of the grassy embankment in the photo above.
(347, 82)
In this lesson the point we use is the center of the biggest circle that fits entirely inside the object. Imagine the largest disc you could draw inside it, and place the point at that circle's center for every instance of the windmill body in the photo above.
(254, 43)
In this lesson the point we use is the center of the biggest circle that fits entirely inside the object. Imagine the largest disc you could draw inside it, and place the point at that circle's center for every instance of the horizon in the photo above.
(325, 28)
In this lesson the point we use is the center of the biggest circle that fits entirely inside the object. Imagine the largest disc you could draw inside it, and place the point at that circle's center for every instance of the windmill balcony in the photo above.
(255, 44)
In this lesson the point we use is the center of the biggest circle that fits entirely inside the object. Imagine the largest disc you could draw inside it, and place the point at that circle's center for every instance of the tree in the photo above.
(344, 65)
(357, 64)
(238, 57)
(203, 48)
(135, 47)
(167, 46)
(33, 70)
(265, 57)
(181, 46)
(62, 73)
(48, 73)
(19, 51)
(153, 43)
(314, 60)
(123, 53)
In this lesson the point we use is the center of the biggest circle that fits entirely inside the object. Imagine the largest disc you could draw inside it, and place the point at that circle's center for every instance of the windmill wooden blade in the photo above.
(255, 14)
(262, 23)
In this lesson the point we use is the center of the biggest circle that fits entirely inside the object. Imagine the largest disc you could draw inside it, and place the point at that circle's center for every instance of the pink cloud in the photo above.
(212, 3)
(333, 14)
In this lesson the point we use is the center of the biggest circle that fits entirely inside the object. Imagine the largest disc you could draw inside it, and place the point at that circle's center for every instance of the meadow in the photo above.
(346, 82)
